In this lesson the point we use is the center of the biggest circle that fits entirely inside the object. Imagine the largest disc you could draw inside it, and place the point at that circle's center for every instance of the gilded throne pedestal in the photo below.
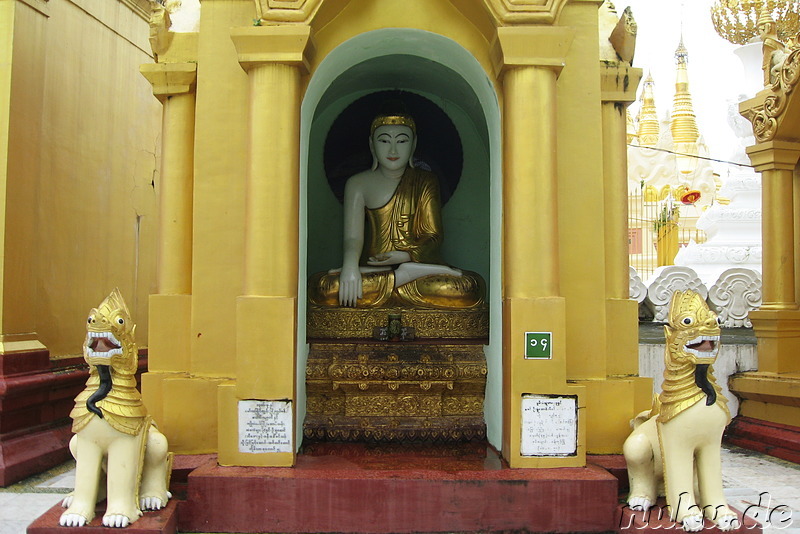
(430, 389)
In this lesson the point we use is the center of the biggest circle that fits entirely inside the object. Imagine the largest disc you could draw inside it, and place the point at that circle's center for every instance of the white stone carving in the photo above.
(720, 256)
(733, 229)
(733, 296)
(657, 168)
(667, 280)
(638, 291)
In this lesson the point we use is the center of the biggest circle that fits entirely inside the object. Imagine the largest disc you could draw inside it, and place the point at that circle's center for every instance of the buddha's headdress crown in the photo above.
(393, 119)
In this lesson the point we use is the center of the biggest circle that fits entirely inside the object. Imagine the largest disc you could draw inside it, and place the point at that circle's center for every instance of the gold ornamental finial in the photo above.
(684, 123)
(737, 20)
(765, 17)
(648, 118)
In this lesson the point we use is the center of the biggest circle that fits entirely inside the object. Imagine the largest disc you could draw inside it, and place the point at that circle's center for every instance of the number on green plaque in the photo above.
(538, 345)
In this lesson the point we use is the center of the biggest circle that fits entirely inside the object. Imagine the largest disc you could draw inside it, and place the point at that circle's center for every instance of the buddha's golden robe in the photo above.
(410, 221)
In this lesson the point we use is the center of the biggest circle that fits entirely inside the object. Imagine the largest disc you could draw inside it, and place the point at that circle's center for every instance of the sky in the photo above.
(716, 74)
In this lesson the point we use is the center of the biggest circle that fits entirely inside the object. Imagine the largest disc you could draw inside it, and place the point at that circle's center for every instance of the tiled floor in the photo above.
(769, 487)
(752, 479)
(21, 503)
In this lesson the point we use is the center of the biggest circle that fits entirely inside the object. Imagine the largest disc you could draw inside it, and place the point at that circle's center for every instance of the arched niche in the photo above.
(440, 70)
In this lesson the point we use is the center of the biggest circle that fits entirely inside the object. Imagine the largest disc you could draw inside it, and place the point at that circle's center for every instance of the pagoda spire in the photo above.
(684, 121)
(630, 128)
(648, 118)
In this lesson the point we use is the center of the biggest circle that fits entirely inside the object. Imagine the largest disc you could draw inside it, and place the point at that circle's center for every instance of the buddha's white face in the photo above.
(393, 146)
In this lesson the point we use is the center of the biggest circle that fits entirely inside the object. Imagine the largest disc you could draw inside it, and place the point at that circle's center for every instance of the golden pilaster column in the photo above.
(271, 228)
(615, 398)
(275, 58)
(531, 220)
(777, 322)
(170, 348)
(771, 392)
(174, 86)
(529, 60)
(776, 161)
(170, 308)
(618, 85)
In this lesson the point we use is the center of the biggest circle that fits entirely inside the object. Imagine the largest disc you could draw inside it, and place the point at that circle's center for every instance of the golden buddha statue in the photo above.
(394, 259)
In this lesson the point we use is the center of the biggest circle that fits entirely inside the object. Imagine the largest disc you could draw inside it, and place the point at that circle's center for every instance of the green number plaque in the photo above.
(538, 345)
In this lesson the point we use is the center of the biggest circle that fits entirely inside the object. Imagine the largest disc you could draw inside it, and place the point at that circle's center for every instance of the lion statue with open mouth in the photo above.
(676, 445)
(114, 435)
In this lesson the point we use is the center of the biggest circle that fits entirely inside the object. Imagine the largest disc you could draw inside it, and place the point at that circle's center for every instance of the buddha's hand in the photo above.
(392, 257)
(349, 286)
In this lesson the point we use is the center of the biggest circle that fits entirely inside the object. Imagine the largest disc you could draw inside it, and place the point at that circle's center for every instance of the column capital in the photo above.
(774, 155)
(531, 46)
(288, 45)
(170, 79)
(618, 83)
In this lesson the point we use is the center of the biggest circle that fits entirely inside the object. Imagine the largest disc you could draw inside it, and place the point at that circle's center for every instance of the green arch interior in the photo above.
(443, 71)
(466, 215)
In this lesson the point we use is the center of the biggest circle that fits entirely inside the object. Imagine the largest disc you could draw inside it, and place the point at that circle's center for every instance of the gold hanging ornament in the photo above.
(737, 20)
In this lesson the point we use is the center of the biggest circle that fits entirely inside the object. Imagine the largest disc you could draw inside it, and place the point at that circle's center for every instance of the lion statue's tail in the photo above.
(647, 414)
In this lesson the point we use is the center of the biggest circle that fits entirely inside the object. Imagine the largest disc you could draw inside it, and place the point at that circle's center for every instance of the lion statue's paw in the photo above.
(640, 504)
(154, 503)
(693, 523)
(728, 522)
(116, 520)
(67, 502)
(72, 520)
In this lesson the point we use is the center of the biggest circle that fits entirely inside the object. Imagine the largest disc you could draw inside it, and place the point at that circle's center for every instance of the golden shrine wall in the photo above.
(82, 147)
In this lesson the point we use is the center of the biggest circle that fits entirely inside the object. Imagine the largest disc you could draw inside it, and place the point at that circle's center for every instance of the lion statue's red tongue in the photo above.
(704, 346)
(102, 344)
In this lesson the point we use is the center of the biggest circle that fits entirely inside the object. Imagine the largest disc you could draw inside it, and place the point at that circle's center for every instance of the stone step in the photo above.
(358, 488)
(780, 441)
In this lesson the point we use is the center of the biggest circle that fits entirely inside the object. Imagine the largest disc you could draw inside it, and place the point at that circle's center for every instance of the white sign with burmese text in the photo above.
(549, 425)
(265, 426)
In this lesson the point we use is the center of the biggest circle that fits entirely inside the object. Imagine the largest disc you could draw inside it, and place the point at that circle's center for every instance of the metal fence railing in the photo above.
(656, 231)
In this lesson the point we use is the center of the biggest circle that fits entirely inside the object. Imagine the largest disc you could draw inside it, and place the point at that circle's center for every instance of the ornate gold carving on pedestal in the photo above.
(342, 323)
(395, 392)
(777, 23)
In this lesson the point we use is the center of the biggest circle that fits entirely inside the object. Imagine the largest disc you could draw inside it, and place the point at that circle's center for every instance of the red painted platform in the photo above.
(157, 522)
(393, 488)
(780, 441)
(614, 464)
(358, 488)
(656, 520)
(36, 396)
